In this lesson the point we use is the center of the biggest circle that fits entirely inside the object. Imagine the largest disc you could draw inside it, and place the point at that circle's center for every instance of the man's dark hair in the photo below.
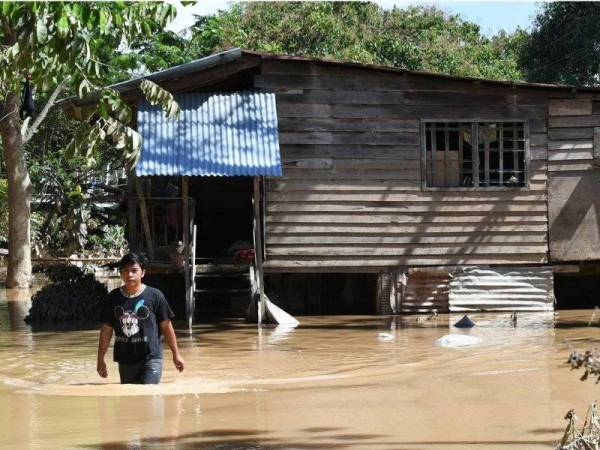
(132, 258)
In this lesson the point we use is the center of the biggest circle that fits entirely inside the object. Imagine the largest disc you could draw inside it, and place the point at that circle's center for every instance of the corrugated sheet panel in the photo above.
(501, 289)
(215, 135)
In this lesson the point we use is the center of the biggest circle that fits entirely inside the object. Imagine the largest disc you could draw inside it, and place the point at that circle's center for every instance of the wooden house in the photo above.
(400, 191)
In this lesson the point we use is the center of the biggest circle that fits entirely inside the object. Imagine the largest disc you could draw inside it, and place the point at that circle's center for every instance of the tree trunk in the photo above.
(19, 196)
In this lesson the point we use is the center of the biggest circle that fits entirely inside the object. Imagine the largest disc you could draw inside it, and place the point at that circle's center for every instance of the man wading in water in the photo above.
(138, 314)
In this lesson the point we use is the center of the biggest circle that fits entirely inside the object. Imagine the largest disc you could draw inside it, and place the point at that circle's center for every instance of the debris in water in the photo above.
(465, 322)
(385, 337)
(432, 317)
(589, 360)
(586, 439)
(457, 340)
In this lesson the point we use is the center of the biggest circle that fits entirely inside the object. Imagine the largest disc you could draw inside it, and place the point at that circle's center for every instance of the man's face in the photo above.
(132, 275)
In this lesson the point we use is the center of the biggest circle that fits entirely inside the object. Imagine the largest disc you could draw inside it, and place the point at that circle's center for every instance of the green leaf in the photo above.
(62, 26)
(102, 110)
(103, 21)
(84, 88)
(158, 96)
(7, 8)
(41, 31)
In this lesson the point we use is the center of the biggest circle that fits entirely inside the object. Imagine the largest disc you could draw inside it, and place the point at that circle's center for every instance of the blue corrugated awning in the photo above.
(215, 135)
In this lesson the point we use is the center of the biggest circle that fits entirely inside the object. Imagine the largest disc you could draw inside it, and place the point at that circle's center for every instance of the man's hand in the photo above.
(101, 368)
(179, 362)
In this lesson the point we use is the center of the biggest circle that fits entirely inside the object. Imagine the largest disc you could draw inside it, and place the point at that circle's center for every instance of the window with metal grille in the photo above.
(475, 154)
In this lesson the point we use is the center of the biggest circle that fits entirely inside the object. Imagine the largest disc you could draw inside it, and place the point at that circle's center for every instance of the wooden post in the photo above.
(132, 211)
(144, 217)
(258, 249)
(186, 251)
(193, 275)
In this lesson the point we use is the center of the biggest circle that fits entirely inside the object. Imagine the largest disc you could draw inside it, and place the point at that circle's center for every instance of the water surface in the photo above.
(347, 382)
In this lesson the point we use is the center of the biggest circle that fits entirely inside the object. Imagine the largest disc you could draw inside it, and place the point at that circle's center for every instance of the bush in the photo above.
(72, 296)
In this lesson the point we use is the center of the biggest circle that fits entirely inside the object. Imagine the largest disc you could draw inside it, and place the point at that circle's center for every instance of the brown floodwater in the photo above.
(347, 382)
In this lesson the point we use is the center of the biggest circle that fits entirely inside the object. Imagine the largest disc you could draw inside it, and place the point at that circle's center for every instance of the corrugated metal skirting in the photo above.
(215, 135)
(479, 289)
(426, 290)
(502, 289)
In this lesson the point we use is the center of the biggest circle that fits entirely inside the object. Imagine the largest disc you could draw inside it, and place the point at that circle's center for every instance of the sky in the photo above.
(491, 16)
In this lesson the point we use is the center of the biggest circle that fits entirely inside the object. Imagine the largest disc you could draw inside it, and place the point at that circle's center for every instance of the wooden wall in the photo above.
(351, 198)
(574, 179)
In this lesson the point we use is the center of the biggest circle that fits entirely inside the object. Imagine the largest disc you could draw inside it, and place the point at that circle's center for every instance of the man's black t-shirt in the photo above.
(135, 322)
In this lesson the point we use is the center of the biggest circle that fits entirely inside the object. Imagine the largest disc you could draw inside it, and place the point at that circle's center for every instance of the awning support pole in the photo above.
(144, 217)
(258, 250)
(186, 252)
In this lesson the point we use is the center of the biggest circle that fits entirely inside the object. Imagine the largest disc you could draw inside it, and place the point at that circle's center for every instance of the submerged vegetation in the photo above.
(588, 360)
(588, 438)
(71, 296)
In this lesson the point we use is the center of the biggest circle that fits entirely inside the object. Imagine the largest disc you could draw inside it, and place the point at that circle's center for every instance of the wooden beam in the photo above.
(144, 216)
(258, 248)
(186, 252)
(132, 211)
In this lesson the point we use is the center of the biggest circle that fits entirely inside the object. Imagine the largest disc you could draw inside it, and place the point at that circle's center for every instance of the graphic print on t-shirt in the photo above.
(129, 319)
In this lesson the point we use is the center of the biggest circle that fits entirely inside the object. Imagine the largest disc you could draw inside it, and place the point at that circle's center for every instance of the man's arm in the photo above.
(106, 333)
(169, 333)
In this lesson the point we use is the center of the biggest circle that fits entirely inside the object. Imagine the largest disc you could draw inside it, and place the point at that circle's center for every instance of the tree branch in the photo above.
(42, 115)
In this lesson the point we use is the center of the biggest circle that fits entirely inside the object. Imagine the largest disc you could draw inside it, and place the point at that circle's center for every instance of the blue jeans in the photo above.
(147, 371)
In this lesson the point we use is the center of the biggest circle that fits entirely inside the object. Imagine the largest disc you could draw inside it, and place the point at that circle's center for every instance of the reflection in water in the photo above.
(334, 382)
(18, 302)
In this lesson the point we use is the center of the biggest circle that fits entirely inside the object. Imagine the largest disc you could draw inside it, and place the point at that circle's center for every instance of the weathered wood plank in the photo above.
(351, 163)
(409, 250)
(402, 218)
(296, 173)
(303, 110)
(363, 97)
(405, 207)
(427, 197)
(538, 153)
(340, 138)
(565, 166)
(562, 155)
(574, 121)
(414, 240)
(492, 112)
(440, 98)
(297, 264)
(332, 124)
(410, 228)
(557, 134)
(596, 152)
(570, 145)
(538, 139)
(351, 151)
(578, 107)
(283, 184)
(342, 185)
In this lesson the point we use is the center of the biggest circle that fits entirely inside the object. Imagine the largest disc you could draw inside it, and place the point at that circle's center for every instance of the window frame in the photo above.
(475, 164)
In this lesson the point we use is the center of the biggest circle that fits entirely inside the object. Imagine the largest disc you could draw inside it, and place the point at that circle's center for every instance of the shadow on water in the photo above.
(326, 438)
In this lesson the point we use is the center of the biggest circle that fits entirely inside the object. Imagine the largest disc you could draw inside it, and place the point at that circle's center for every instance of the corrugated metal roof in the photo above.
(215, 135)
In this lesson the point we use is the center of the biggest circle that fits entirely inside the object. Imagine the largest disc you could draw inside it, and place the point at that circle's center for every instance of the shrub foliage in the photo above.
(71, 296)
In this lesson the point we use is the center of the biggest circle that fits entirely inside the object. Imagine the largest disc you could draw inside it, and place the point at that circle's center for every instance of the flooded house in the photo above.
(358, 188)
